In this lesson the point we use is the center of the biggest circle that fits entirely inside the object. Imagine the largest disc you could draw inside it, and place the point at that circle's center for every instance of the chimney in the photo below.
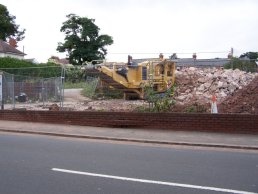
(194, 56)
(12, 42)
(161, 56)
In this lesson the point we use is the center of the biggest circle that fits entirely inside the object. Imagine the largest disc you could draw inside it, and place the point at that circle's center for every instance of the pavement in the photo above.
(156, 136)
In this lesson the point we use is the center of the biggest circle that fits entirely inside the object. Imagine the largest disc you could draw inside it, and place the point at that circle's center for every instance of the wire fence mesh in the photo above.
(25, 92)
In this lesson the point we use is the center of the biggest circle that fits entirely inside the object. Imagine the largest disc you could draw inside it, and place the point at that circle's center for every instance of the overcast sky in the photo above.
(208, 27)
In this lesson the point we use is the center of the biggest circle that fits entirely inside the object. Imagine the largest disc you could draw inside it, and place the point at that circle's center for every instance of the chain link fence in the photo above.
(90, 86)
(30, 93)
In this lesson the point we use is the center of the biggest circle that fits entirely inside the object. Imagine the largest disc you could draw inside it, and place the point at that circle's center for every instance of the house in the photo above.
(9, 50)
(64, 62)
(57, 60)
(192, 62)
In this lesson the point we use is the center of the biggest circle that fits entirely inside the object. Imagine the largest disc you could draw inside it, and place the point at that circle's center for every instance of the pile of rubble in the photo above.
(242, 101)
(195, 85)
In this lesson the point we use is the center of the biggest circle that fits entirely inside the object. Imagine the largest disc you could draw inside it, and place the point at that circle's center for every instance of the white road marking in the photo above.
(153, 182)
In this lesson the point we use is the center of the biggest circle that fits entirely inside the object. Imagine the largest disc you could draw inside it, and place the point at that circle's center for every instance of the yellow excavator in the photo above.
(131, 77)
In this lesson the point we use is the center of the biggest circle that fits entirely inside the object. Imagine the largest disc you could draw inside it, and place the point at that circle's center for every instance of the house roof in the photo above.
(8, 49)
(64, 61)
(217, 62)
(56, 60)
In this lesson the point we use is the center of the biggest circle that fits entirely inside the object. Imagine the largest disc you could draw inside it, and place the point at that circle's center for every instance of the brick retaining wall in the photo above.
(229, 123)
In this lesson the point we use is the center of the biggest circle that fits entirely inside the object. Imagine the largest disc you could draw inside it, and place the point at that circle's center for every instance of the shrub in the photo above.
(74, 75)
(158, 102)
(27, 68)
(244, 65)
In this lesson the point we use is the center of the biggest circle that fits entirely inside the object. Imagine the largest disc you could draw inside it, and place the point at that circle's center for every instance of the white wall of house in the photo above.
(10, 55)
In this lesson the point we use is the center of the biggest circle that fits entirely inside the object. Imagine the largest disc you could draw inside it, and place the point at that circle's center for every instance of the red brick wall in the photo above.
(229, 123)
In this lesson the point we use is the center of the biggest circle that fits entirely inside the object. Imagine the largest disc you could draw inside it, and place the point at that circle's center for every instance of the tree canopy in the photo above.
(8, 27)
(82, 40)
(250, 55)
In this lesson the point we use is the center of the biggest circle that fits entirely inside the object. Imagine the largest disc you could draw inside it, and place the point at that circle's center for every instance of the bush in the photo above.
(74, 75)
(27, 68)
(158, 102)
(244, 65)
(89, 88)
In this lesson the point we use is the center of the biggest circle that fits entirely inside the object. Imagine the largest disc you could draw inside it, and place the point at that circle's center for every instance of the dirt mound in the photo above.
(244, 100)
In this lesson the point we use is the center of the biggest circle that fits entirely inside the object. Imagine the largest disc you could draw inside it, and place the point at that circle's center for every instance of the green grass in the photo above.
(88, 91)
(69, 85)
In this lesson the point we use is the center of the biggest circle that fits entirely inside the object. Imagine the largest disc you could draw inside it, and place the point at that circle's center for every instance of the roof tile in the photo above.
(8, 49)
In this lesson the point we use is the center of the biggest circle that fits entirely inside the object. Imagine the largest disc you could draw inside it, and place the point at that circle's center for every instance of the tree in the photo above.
(82, 40)
(238, 63)
(250, 55)
(8, 27)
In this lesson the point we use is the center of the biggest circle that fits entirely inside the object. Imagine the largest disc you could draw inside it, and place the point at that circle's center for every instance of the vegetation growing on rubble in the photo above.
(158, 102)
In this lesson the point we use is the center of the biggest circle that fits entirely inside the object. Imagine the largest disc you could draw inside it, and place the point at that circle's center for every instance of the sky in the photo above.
(143, 28)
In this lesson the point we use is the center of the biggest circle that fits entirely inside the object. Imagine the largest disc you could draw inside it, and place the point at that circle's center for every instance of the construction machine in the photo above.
(132, 77)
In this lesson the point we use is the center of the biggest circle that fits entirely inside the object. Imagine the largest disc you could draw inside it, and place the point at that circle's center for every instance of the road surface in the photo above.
(32, 164)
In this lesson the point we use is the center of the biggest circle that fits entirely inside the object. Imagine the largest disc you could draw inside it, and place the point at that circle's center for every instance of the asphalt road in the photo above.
(32, 164)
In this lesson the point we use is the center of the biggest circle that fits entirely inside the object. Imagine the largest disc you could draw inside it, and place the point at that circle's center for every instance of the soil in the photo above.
(242, 101)
(74, 95)
(73, 100)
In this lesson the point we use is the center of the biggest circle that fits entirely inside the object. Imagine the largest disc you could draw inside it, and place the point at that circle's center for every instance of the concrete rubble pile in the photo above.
(198, 85)
(242, 101)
